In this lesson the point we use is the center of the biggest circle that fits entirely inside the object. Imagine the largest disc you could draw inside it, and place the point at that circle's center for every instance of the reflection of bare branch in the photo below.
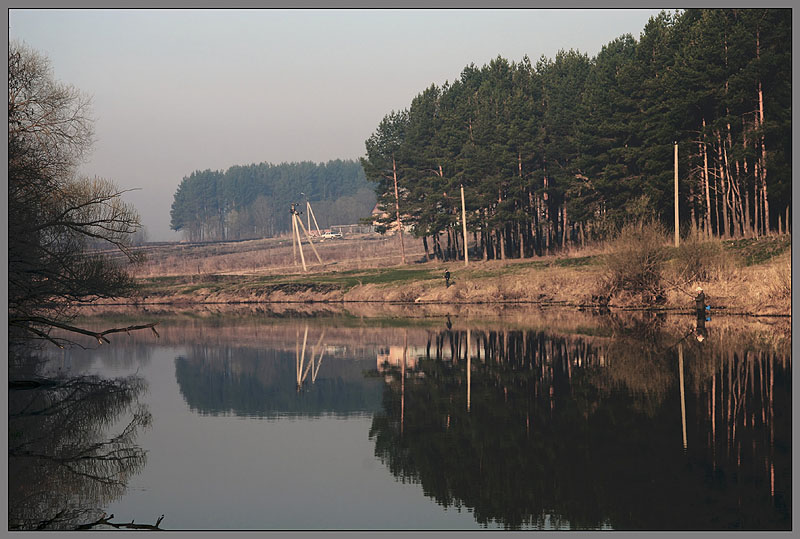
(106, 521)
(99, 335)
(62, 465)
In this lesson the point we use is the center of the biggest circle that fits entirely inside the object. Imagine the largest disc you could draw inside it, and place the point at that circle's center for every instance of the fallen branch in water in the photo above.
(28, 323)
(106, 521)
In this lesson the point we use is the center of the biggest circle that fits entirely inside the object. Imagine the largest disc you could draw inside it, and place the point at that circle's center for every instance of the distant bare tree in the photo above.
(52, 215)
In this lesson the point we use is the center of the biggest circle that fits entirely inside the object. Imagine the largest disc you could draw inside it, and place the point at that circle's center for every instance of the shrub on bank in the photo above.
(636, 261)
(702, 260)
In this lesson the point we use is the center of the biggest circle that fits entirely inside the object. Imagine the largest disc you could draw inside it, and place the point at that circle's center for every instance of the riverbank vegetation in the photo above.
(743, 276)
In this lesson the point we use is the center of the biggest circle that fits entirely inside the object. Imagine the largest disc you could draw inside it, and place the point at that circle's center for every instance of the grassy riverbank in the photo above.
(738, 276)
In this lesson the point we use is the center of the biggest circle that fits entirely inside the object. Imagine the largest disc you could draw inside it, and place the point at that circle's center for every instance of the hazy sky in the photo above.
(175, 91)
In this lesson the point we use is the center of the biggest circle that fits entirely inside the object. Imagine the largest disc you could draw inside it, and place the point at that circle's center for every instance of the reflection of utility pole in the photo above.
(403, 382)
(771, 426)
(469, 372)
(300, 359)
(714, 417)
(315, 362)
(319, 359)
(683, 401)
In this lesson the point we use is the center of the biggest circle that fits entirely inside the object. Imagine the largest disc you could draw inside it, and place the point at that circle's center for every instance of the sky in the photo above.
(178, 90)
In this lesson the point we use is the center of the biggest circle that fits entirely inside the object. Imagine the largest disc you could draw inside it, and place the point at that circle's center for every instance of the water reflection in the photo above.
(642, 427)
(63, 465)
(275, 381)
(536, 420)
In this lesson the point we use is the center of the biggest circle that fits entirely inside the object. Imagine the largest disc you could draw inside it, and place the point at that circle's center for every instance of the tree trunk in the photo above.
(501, 244)
(757, 199)
(485, 239)
(456, 243)
(763, 167)
(733, 188)
(716, 203)
(397, 207)
(692, 218)
(746, 196)
(449, 250)
(721, 168)
(787, 219)
(705, 177)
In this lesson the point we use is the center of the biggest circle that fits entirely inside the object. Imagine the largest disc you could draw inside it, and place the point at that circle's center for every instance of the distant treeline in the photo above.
(253, 201)
(565, 150)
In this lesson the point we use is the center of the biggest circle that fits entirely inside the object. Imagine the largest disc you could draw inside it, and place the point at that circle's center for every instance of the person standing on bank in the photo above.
(700, 310)
(700, 302)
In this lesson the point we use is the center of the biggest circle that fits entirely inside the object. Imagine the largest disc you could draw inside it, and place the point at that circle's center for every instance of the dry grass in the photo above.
(368, 268)
(273, 256)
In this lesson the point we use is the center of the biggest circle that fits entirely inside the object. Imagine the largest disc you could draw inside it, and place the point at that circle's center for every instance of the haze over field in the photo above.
(176, 91)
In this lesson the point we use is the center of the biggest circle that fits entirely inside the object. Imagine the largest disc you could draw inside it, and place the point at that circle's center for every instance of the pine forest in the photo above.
(564, 151)
(253, 201)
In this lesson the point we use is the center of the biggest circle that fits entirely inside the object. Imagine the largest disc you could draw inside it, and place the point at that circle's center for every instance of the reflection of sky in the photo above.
(239, 471)
(263, 382)
(228, 472)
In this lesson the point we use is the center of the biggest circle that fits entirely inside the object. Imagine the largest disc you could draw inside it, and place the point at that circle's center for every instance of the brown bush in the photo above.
(702, 260)
(636, 262)
(779, 279)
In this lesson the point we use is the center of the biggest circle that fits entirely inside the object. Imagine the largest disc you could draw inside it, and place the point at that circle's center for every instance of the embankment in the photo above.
(761, 288)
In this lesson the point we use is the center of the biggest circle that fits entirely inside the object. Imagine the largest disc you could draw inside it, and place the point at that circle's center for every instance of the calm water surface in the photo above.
(535, 421)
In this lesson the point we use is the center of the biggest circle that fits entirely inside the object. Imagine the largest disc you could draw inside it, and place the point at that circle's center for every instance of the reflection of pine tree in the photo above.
(583, 433)
(62, 466)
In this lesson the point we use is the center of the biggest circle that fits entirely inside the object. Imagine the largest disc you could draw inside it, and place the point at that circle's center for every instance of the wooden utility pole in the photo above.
(677, 228)
(297, 224)
(296, 230)
(294, 236)
(308, 237)
(312, 216)
(397, 207)
(464, 223)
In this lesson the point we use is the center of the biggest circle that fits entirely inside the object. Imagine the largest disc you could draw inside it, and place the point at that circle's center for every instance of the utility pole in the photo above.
(464, 222)
(296, 229)
(312, 216)
(308, 237)
(677, 230)
(297, 224)
(294, 236)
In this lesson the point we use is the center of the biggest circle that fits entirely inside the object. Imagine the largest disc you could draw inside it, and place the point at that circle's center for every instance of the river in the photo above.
(416, 420)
